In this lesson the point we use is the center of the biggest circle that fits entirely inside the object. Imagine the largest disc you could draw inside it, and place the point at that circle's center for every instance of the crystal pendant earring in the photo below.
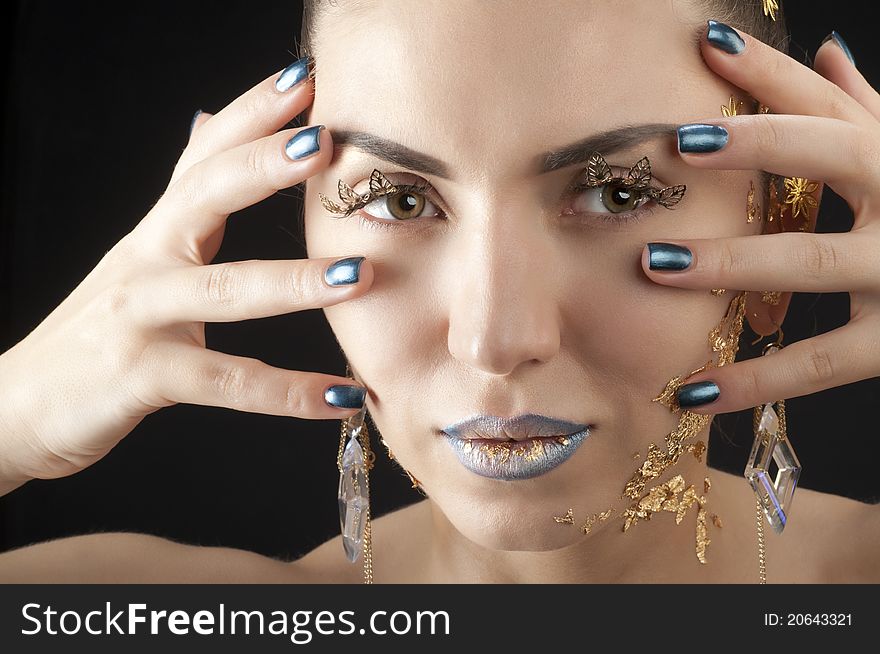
(770, 449)
(354, 461)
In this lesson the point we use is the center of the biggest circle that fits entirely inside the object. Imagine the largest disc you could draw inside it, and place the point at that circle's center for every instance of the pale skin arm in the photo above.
(129, 340)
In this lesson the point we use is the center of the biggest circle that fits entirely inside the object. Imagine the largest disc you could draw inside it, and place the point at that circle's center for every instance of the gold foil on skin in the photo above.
(567, 519)
(596, 517)
(724, 340)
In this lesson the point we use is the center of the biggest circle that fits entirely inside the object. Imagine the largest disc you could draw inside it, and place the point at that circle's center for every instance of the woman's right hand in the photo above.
(130, 338)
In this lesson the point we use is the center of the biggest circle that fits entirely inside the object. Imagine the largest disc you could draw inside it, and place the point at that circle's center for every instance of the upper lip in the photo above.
(518, 428)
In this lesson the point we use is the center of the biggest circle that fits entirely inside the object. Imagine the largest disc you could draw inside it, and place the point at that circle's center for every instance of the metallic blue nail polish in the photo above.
(292, 75)
(838, 39)
(698, 137)
(304, 143)
(192, 123)
(344, 271)
(668, 256)
(345, 397)
(697, 393)
(724, 37)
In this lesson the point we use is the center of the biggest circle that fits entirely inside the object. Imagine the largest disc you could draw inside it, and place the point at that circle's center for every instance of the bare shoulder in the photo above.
(829, 538)
(125, 557)
(396, 537)
(849, 531)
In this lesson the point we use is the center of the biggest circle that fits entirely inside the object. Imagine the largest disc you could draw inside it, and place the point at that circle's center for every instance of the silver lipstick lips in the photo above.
(521, 447)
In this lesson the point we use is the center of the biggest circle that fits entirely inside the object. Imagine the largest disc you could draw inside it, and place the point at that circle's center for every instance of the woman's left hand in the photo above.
(825, 127)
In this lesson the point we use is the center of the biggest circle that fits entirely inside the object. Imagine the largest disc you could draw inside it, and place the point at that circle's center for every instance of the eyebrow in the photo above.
(606, 142)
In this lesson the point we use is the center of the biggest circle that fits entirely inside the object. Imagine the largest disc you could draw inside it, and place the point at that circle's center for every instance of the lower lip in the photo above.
(511, 460)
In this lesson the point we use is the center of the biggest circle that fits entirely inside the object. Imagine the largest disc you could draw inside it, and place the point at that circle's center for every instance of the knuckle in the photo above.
(221, 285)
(296, 285)
(295, 400)
(231, 382)
(819, 367)
(769, 136)
(836, 101)
(727, 261)
(817, 257)
(255, 165)
(256, 105)
(753, 386)
(187, 191)
(116, 299)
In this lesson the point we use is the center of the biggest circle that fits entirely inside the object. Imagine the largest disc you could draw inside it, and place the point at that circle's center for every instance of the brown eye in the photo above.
(617, 198)
(405, 205)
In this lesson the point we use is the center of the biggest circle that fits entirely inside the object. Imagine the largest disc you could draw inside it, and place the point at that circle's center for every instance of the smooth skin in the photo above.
(240, 157)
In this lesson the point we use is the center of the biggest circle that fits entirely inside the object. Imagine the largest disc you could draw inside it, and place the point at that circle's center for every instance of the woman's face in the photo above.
(505, 294)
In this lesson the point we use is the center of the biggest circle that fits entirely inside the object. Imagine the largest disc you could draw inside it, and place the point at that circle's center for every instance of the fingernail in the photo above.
(698, 137)
(292, 75)
(724, 37)
(668, 256)
(697, 393)
(838, 39)
(304, 143)
(344, 271)
(192, 123)
(345, 397)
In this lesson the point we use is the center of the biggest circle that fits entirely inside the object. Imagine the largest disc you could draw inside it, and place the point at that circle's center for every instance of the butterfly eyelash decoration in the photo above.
(598, 173)
(379, 186)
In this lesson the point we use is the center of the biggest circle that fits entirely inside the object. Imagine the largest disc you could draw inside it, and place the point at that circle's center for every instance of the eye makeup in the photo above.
(634, 188)
(598, 173)
(379, 186)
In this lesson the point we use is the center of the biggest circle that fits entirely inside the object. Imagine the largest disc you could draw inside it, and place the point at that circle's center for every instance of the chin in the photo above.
(512, 525)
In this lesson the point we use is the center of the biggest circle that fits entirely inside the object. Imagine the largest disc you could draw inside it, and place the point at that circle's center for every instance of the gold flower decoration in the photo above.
(731, 108)
(770, 8)
(799, 190)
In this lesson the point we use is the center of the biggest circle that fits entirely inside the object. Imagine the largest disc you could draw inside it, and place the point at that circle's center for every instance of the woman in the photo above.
(518, 286)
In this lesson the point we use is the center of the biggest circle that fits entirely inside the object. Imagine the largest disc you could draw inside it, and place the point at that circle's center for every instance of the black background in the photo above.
(98, 101)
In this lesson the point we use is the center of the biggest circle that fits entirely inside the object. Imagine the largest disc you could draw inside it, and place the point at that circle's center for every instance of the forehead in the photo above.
(460, 78)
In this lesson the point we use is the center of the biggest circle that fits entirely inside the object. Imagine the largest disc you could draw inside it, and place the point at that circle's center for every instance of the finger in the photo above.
(260, 111)
(199, 118)
(842, 356)
(837, 152)
(193, 375)
(199, 203)
(242, 290)
(832, 63)
(774, 78)
(788, 261)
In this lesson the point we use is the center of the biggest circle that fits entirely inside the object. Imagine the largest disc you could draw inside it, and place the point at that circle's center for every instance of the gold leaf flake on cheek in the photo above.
(672, 495)
(567, 519)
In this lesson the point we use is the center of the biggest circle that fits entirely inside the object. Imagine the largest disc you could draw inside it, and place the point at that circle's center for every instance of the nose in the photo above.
(502, 312)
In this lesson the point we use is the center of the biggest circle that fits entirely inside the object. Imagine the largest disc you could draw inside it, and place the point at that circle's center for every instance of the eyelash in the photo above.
(427, 189)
